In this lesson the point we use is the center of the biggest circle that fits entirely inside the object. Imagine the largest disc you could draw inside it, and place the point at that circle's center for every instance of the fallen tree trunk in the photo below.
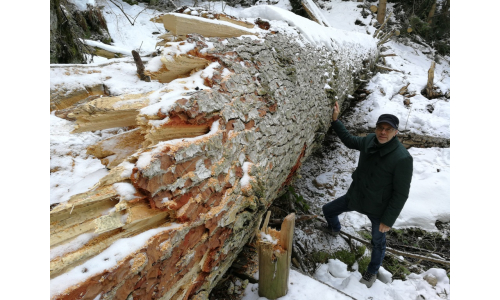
(191, 203)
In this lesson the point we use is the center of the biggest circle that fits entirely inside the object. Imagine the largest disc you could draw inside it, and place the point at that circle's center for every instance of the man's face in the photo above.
(385, 132)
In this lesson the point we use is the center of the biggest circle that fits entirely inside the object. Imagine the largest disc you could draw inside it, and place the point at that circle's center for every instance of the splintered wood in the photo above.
(177, 67)
(109, 112)
(181, 24)
(114, 150)
(275, 252)
(103, 218)
(62, 97)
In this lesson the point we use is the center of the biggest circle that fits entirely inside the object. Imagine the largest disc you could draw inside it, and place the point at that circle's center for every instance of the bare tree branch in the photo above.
(127, 16)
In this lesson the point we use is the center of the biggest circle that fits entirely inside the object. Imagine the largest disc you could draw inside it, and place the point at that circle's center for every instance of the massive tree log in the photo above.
(192, 200)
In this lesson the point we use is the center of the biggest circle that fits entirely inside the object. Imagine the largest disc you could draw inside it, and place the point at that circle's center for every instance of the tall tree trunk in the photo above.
(381, 11)
(431, 13)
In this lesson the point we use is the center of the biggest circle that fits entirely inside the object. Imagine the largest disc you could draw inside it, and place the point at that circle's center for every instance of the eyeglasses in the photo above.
(387, 129)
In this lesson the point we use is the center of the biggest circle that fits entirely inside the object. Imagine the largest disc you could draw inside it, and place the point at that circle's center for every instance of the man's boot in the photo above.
(368, 279)
(325, 228)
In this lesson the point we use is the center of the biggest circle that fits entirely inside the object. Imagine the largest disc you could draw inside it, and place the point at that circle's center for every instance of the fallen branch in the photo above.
(382, 26)
(298, 219)
(420, 249)
(385, 38)
(290, 202)
(297, 257)
(396, 252)
(77, 66)
(385, 55)
(388, 69)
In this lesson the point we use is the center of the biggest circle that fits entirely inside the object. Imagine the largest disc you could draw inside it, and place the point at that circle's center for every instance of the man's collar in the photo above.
(385, 148)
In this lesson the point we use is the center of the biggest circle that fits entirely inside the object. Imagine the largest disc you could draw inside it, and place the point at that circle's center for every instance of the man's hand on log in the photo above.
(383, 228)
(336, 111)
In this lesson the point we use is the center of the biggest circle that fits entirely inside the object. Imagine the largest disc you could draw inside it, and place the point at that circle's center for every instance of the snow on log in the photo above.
(200, 160)
(314, 13)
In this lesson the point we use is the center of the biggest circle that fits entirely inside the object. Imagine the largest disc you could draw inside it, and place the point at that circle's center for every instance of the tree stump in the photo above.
(275, 253)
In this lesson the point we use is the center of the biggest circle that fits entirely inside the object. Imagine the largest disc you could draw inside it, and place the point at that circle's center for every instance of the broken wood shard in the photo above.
(156, 135)
(114, 150)
(109, 112)
(177, 66)
(61, 98)
(182, 24)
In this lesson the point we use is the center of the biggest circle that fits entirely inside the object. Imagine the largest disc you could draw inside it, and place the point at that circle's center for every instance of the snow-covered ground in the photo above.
(424, 206)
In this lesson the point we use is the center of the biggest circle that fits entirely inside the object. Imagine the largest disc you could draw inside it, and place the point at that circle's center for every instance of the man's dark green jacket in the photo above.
(381, 183)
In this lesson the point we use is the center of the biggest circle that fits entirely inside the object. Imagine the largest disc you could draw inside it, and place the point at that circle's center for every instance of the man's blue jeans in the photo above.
(333, 209)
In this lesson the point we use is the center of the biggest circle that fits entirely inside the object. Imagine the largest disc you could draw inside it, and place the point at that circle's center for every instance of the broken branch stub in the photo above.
(275, 252)
(140, 66)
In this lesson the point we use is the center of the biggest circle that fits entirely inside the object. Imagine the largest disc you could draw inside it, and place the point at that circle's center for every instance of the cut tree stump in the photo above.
(275, 253)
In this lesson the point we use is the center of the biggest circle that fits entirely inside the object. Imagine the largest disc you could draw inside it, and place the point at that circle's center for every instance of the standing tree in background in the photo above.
(381, 11)
(431, 13)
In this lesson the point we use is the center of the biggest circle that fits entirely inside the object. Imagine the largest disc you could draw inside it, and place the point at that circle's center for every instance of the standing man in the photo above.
(380, 184)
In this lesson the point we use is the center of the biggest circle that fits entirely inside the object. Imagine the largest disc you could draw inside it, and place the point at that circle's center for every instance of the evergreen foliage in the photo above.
(64, 46)
(415, 14)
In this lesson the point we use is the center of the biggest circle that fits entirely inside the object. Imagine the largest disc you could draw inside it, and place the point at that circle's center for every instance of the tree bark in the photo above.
(381, 11)
(431, 13)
